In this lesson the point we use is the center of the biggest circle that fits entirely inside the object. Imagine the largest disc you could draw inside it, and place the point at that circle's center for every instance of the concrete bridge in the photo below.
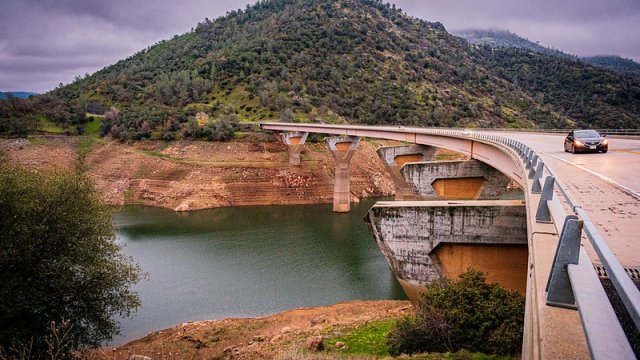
(579, 213)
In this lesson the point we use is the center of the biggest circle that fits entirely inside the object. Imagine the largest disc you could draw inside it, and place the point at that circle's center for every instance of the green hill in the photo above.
(356, 61)
(506, 39)
(616, 63)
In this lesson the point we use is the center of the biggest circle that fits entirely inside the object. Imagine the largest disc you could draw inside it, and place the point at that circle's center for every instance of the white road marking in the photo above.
(605, 178)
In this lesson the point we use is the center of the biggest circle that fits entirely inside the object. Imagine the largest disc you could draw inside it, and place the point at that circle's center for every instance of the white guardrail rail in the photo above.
(573, 281)
(629, 132)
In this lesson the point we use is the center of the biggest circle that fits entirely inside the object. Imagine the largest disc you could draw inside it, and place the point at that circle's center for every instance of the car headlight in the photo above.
(605, 142)
(579, 143)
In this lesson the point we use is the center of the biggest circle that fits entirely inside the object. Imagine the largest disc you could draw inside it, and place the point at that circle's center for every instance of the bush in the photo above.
(465, 314)
(59, 264)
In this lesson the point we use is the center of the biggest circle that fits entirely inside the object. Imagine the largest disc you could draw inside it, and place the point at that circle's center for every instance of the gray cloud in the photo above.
(580, 27)
(45, 42)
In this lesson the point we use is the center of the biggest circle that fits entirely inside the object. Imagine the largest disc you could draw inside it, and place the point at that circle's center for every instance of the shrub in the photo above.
(465, 314)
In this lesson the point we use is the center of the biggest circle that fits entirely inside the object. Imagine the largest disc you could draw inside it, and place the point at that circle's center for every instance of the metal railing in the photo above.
(630, 132)
(573, 282)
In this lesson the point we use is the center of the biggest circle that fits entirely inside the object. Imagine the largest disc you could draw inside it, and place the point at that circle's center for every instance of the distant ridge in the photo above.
(507, 39)
(18, 94)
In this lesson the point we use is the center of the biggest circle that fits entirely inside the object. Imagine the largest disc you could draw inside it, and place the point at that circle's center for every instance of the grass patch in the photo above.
(369, 339)
(85, 144)
(52, 128)
(93, 127)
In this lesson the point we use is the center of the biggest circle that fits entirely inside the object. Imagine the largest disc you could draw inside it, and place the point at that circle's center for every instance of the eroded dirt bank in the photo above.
(283, 335)
(193, 175)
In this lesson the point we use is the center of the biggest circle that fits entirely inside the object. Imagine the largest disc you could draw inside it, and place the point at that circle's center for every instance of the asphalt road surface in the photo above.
(606, 185)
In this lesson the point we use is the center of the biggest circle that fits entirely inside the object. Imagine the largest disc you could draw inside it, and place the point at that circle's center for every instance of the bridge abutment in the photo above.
(394, 157)
(426, 240)
(295, 142)
(342, 148)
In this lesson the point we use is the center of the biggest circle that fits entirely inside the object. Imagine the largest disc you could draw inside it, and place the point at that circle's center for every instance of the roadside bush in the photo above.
(464, 314)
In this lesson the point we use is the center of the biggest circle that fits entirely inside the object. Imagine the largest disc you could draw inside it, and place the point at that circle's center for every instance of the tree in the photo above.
(59, 262)
(286, 116)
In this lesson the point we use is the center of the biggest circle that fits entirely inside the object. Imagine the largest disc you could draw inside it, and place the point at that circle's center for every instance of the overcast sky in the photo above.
(47, 42)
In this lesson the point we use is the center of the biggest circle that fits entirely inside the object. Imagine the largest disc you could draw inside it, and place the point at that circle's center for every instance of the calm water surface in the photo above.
(248, 261)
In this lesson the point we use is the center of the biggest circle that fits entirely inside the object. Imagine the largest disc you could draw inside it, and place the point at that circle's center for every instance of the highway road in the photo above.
(606, 185)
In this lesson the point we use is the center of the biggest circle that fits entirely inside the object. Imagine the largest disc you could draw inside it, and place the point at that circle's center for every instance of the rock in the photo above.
(258, 338)
(275, 339)
(183, 207)
(315, 344)
(317, 320)
(231, 350)
(341, 346)
(139, 357)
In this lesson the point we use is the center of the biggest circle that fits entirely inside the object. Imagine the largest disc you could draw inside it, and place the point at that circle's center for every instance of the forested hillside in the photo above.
(506, 39)
(358, 61)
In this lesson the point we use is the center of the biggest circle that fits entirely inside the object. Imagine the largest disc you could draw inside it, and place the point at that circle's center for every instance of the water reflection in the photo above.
(249, 261)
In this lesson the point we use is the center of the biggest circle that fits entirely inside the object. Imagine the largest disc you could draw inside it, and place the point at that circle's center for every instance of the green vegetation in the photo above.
(92, 127)
(369, 339)
(506, 39)
(465, 314)
(64, 280)
(346, 61)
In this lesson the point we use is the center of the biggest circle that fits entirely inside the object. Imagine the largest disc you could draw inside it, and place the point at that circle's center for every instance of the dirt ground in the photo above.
(281, 335)
(193, 175)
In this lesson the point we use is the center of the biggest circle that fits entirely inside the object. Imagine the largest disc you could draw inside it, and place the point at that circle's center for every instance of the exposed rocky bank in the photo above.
(285, 335)
(193, 175)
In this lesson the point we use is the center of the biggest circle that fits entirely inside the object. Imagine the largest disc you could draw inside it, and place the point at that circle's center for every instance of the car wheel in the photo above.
(605, 151)
(565, 147)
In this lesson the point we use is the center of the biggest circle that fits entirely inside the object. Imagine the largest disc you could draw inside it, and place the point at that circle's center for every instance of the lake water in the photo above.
(248, 261)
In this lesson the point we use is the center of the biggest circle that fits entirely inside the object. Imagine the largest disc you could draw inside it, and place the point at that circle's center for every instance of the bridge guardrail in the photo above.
(630, 132)
(573, 282)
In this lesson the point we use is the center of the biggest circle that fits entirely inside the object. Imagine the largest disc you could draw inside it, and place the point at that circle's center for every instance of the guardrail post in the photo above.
(543, 215)
(533, 161)
(559, 292)
(536, 176)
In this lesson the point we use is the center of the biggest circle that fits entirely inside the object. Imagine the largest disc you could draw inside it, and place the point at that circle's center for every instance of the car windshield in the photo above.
(586, 134)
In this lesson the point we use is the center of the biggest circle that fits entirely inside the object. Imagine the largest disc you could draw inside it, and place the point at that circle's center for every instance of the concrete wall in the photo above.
(484, 182)
(409, 232)
(394, 157)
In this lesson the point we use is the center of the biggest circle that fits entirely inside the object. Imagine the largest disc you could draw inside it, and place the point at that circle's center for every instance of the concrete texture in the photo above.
(295, 142)
(342, 148)
(409, 233)
(464, 179)
(394, 157)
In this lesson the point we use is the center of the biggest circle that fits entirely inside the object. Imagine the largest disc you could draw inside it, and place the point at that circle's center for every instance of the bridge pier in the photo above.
(295, 141)
(342, 148)
(425, 240)
(394, 157)
(449, 180)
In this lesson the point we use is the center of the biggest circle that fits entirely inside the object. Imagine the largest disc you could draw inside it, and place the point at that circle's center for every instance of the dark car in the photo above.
(585, 141)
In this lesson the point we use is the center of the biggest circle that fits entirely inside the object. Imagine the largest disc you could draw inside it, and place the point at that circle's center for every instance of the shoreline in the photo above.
(265, 337)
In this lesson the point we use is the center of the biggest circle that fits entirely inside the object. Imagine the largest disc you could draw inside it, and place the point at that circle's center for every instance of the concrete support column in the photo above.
(295, 141)
(394, 157)
(342, 148)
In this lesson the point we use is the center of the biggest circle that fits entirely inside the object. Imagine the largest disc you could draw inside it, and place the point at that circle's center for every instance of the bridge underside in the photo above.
(426, 240)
